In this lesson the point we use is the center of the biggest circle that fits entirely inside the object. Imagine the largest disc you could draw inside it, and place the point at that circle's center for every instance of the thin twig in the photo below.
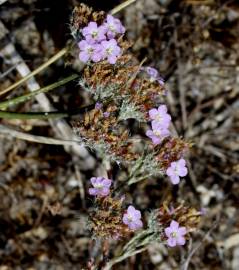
(11, 133)
(186, 263)
(32, 115)
(122, 6)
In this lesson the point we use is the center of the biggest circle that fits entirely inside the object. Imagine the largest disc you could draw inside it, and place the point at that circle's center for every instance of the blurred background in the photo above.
(43, 211)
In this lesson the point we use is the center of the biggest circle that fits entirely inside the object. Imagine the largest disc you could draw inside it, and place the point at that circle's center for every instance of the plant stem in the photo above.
(122, 6)
(32, 115)
(12, 133)
(45, 115)
(14, 101)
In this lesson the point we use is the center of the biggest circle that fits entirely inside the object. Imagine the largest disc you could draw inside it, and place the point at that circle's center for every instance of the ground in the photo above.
(43, 187)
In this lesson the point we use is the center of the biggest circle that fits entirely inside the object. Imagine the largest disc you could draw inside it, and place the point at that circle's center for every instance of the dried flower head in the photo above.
(81, 16)
(171, 149)
(186, 216)
(106, 218)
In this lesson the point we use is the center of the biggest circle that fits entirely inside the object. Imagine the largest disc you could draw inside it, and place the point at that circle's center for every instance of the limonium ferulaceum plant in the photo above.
(123, 89)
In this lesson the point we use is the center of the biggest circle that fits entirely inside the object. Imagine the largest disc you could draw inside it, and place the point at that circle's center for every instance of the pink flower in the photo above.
(175, 234)
(101, 186)
(98, 105)
(176, 170)
(110, 50)
(106, 114)
(157, 134)
(113, 26)
(160, 116)
(132, 218)
(93, 33)
(89, 52)
(154, 75)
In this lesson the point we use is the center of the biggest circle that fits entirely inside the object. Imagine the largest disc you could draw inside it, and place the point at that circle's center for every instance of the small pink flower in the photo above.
(93, 33)
(132, 218)
(101, 186)
(89, 51)
(110, 50)
(175, 234)
(98, 105)
(160, 116)
(176, 170)
(157, 134)
(154, 75)
(113, 26)
(106, 114)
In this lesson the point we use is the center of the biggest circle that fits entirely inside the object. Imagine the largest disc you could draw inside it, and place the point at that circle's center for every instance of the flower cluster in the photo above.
(101, 189)
(99, 41)
(160, 123)
(121, 92)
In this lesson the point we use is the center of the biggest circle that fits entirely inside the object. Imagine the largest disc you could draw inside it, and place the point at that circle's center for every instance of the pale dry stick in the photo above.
(180, 84)
(81, 186)
(11, 133)
(3, 1)
(122, 6)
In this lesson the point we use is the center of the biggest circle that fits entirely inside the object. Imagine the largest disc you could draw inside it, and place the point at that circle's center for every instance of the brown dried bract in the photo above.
(82, 15)
(172, 149)
(106, 218)
(186, 216)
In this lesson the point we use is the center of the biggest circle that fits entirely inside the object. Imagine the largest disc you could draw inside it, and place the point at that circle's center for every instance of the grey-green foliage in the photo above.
(144, 167)
(129, 110)
(139, 242)
(101, 92)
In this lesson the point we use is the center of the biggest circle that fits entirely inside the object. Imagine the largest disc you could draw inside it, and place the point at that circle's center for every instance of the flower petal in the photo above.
(181, 241)
(174, 225)
(172, 242)
(182, 230)
(183, 171)
(153, 113)
(175, 179)
(168, 232)
(93, 191)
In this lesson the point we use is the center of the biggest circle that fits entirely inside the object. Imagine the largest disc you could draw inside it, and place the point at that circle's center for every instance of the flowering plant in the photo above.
(124, 91)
